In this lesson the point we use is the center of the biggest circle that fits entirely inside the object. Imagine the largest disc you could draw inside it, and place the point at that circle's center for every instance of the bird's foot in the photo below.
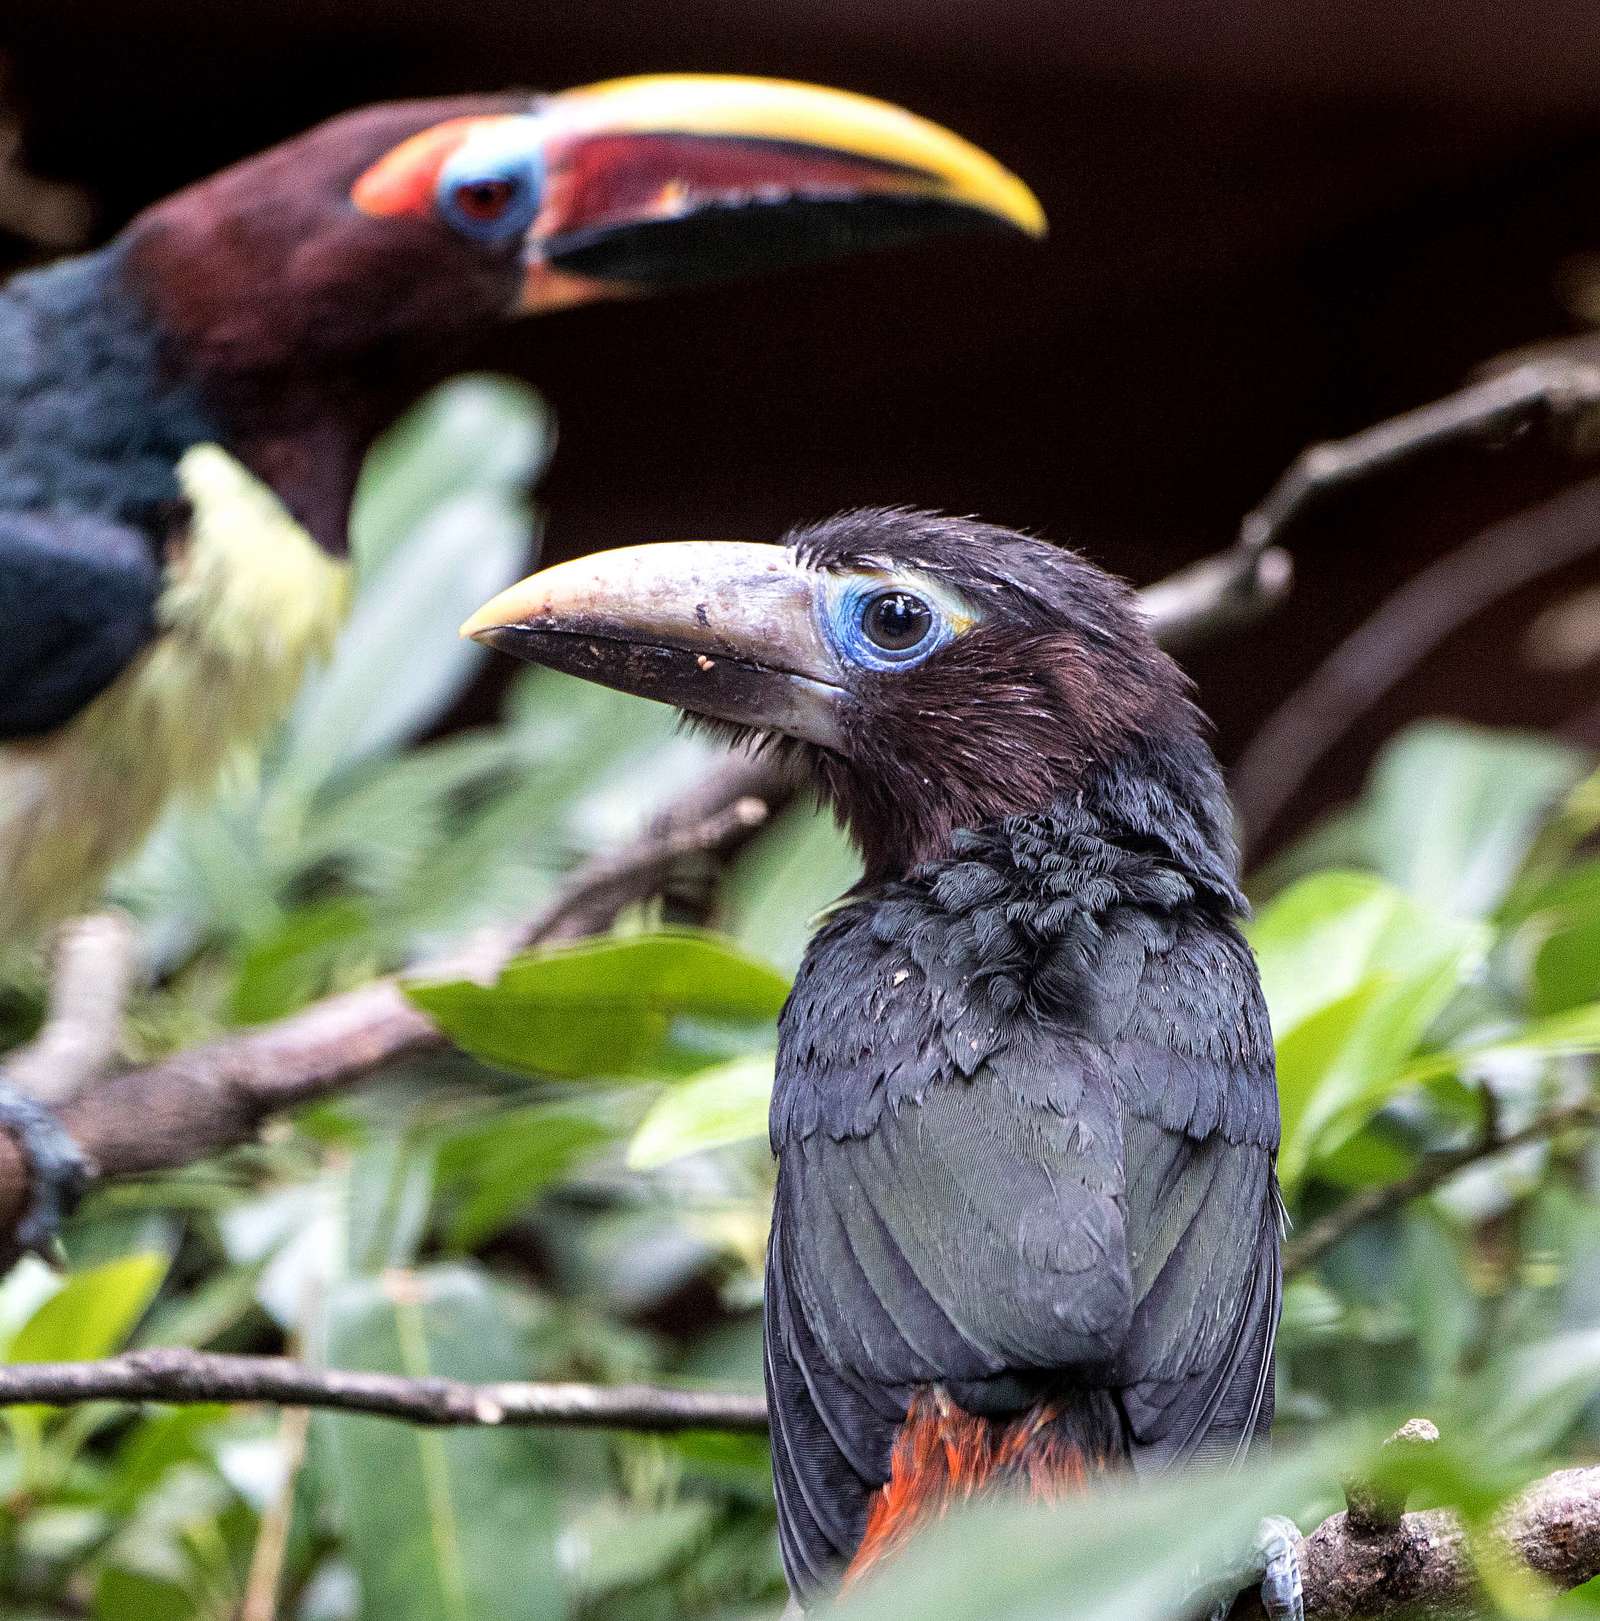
(59, 1170)
(1272, 1567)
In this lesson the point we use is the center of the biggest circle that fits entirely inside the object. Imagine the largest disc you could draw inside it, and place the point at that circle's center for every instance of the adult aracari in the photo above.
(183, 414)
(1026, 1225)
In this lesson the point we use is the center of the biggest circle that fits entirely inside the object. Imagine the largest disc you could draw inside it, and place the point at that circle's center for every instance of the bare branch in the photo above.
(1398, 637)
(1372, 1561)
(214, 1096)
(1319, 1236)
(1424, 1566)
(89, 986)
(177, 1375)
(1559, 387)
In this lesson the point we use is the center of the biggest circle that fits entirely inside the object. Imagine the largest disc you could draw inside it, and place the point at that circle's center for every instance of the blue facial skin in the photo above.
(847, 618)
(517, 164)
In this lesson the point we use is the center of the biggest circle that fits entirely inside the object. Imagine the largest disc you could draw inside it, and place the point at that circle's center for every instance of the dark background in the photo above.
(1271, 223)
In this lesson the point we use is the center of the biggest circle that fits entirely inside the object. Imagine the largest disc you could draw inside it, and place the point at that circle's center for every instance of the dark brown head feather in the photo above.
(1058, 682)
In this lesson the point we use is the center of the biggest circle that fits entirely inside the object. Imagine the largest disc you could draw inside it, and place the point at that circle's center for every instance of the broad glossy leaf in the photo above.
(639, 1006)
(442, 1525)
(1452, 811)
(725, 1104)
(92, 1314)
(474, 432)
(786, 877)
(1355, 972)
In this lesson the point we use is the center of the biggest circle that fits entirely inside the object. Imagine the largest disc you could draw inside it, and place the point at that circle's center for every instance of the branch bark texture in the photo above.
(1355, 1564)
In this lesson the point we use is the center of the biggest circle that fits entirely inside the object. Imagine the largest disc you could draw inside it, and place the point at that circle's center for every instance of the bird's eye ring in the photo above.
(485, 202)
(896, 621)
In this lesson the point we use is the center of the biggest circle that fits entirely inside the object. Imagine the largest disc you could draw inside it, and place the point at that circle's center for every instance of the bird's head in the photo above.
(310, 294)
(936, 673)
(421, 221)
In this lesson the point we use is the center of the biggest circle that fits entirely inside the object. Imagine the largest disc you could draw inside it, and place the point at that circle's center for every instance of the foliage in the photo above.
(581, 1190)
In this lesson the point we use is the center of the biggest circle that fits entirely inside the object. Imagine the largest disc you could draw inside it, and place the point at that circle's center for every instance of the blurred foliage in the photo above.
(581, 1190)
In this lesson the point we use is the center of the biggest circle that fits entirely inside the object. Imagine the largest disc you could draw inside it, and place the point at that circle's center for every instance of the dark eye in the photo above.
(896, 621)
(485, 201)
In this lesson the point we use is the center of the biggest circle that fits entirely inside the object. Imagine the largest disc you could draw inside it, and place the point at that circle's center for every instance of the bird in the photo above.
(1026, 1229)
(184, 412)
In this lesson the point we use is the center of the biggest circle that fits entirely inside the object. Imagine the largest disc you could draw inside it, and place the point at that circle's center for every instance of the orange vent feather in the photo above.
(944, 1455)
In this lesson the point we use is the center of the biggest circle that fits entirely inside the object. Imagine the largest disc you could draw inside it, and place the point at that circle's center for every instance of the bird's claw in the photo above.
(59, 1170)
(1273, 1567)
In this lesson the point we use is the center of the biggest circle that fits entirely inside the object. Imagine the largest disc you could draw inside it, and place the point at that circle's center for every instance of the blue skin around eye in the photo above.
(842, 620)
(523, 169)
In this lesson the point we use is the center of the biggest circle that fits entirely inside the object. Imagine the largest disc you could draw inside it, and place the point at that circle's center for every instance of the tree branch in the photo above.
(1424, 1565)
(214, 1096)
(180, 1376)
(1371, 1561)
(89, 985)
(1319, 1236)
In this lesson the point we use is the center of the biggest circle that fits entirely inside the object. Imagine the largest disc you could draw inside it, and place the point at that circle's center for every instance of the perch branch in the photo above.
(214, 1096)
(1425, 1566)
(1371, 1561)
(1557, 387)
(177, 1375)
(1319, 1236)
(89, 985)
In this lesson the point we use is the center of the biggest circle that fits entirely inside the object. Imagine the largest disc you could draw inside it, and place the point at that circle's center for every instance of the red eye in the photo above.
(485, 200)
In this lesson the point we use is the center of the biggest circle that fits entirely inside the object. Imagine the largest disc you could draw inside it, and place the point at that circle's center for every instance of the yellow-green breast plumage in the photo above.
(250, 602)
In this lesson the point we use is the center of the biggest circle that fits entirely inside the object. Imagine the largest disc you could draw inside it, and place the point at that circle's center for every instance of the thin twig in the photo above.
(89, 984)
(1369, 1565)
(178, 1376)
(272, 1540)
(1319, 1236)
(1559, 387)
(1398, 637)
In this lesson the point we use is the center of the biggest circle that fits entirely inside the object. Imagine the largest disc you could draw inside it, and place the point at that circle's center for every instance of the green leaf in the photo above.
(1452, 811)
(442, 1525)
(1129, 1551)
(725, 1104)
(442, 523)
(91, 1314)
(130, 1595)
(496, 1168)
(637, 1007)
(1569, 1034)
(784, 880)
(1355, 973)
(284, 968)
(474, 432)
(615, 1545)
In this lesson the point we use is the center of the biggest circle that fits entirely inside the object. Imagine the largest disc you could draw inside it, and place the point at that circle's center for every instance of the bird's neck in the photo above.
(1158, 801)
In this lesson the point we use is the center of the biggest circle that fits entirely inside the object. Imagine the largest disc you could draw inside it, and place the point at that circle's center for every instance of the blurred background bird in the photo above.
(1026, 1227)
(187, 410)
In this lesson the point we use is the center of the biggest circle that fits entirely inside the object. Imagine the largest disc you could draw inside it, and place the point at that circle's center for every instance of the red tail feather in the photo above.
(945, 1455)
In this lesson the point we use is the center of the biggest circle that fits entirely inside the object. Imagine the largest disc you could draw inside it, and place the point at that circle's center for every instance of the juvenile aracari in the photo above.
(1026, 1225)
(183, 414)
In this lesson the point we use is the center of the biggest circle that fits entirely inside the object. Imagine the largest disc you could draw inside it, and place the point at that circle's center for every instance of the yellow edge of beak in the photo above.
(812, 115)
